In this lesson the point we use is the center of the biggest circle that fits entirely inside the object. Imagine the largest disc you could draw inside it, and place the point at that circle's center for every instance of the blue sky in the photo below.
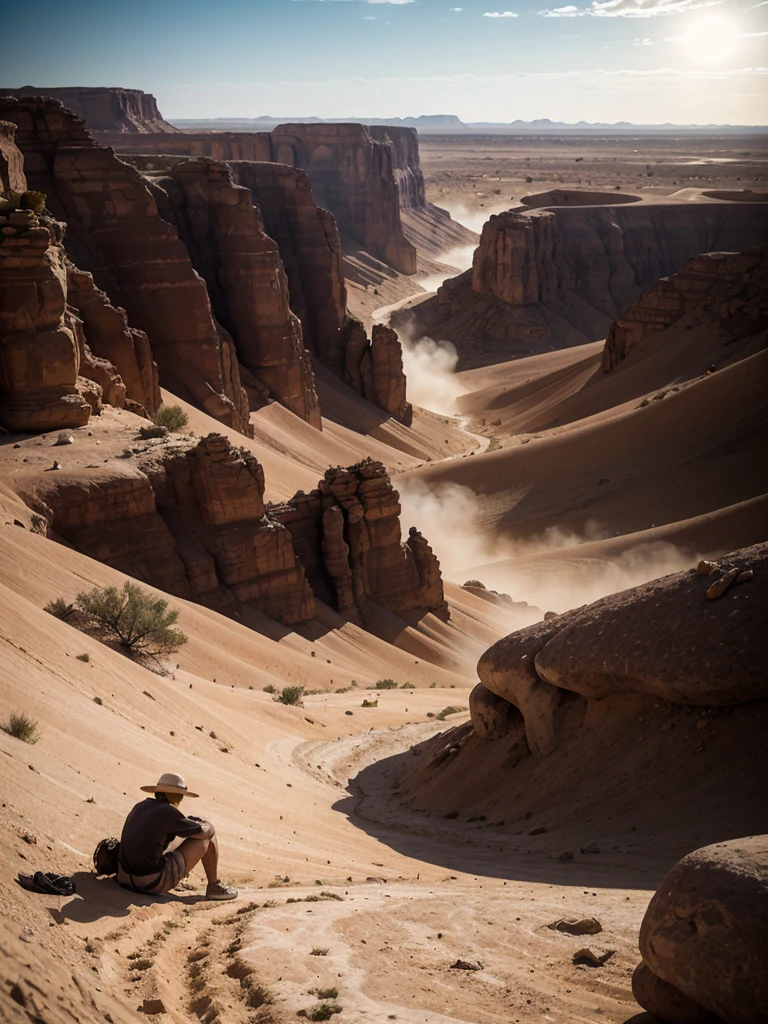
(651, 61)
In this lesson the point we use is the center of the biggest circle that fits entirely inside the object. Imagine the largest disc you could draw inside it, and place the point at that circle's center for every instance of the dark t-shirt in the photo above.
(148, 829)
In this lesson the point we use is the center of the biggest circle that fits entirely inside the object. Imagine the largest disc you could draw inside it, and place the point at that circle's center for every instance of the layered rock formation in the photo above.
(115, 231)
(105, 109)
(347, 535)
(704, 938)
(730, 288)
(188, 516)
(358, 177)
(246, 281)
(549, 278)
(638, 641)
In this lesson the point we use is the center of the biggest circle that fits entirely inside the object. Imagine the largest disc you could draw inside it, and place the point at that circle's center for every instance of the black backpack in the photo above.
(105, 856)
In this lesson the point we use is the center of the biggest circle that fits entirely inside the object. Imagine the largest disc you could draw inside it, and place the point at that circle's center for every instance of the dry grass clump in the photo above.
(319, 951)
(290, 695)
(320, 1011)
(60, 609)
(22, 727)
(171, 416)
(386, 684)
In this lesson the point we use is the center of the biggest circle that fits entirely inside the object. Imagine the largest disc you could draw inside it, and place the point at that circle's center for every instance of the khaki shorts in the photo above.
(174, 869)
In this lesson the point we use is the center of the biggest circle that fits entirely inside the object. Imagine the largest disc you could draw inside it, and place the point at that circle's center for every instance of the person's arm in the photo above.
(190, 828)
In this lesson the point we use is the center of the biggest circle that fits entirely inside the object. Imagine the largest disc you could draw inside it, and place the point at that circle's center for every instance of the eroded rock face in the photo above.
(106, 109)
(110, 338)
(728, 287)
(12, 177)
(705, 935)
(347, 537)
(39, 352)
(560, 276)
(639, 641)
(116, 232)
(356, 176)
(242, 268)
(492, 717)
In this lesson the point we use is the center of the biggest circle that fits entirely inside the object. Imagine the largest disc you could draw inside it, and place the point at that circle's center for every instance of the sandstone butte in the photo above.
(563, 274)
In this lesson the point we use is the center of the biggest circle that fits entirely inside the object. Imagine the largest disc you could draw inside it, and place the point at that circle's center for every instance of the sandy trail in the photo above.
(387, 944)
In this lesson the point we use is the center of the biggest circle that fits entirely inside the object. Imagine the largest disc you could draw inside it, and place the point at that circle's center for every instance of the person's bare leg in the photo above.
(193, 851)
(211, 861)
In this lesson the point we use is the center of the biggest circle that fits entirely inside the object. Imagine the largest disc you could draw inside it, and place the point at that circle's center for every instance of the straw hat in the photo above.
(169, 783)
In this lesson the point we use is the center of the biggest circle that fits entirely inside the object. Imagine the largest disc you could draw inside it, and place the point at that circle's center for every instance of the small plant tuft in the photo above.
(386, 684)
(83, 657)
(407, 686)
(320, 1011)
(60, 609)
(324, 993)
(290, 695)
(452, 709)
(22, 727)
(369, 704)
(269, 688)
(141, 624)
(319, 951)
(33, 200)
(171, 416)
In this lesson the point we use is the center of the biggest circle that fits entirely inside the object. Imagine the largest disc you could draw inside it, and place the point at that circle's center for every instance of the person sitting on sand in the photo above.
(143, 863)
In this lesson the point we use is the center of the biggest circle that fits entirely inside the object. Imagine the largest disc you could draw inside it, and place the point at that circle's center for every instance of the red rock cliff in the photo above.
(116, 232)
(105, 109)
(728, 287)
(246, 281)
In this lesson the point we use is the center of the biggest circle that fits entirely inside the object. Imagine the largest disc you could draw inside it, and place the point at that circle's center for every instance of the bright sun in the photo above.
(711, 39)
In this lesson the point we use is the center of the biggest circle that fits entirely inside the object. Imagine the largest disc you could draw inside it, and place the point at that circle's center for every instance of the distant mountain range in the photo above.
(449, 123)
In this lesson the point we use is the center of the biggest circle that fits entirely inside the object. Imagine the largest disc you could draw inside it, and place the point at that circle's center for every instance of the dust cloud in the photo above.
(474, 219)
(429, 369)
(553, 571)
(459, 258)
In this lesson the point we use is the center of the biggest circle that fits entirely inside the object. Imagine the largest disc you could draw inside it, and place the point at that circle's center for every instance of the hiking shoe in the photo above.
(217, 891)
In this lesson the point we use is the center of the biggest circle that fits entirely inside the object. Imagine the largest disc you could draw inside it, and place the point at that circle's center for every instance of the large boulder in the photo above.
(705, 934)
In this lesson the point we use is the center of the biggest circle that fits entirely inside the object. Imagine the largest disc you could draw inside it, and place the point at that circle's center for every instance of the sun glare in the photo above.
(711, 39)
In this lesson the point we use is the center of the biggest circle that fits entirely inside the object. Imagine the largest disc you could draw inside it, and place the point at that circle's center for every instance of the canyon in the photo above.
(476, 643)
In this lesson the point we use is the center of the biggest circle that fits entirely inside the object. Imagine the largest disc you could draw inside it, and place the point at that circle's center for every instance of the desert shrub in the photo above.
(369, 704)
(320, 1011)
(60, 609)
(452, 709)
(386, 684)
(324, 993)
(142, 624)
(171, 416)
(269, 688)
(83, 657)
(290, 695)
(407, 686)
(494, 444)
(32, 200)
(22, 727)
(318, 951)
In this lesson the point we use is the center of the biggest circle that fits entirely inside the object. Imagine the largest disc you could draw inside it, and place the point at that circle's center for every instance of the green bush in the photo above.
(269, 688)
(290, 695)
(386, 684)
(142, 624)
(171, 416)
(34, 201)
(452, 709)
(369, 704)
(22, 727)
(60, 609)
(407, 686)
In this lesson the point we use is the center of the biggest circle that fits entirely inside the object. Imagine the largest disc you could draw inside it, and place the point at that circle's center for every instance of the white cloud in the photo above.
(563, 12)
(456, 10)
(630, 8)
(361, 1)
(500, 14)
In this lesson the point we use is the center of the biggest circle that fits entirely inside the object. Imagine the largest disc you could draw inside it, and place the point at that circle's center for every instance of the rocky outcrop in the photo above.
(40, 355)
(550, 278)
(247, 284)
(188, 517)
(729, 288)
(110, 338)
(639, 642)
(704, 937)
(116, 232)
(105, 109)
(406, 164)
(308, 240)
(353, 175)
(12, 177)
(346, 534)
